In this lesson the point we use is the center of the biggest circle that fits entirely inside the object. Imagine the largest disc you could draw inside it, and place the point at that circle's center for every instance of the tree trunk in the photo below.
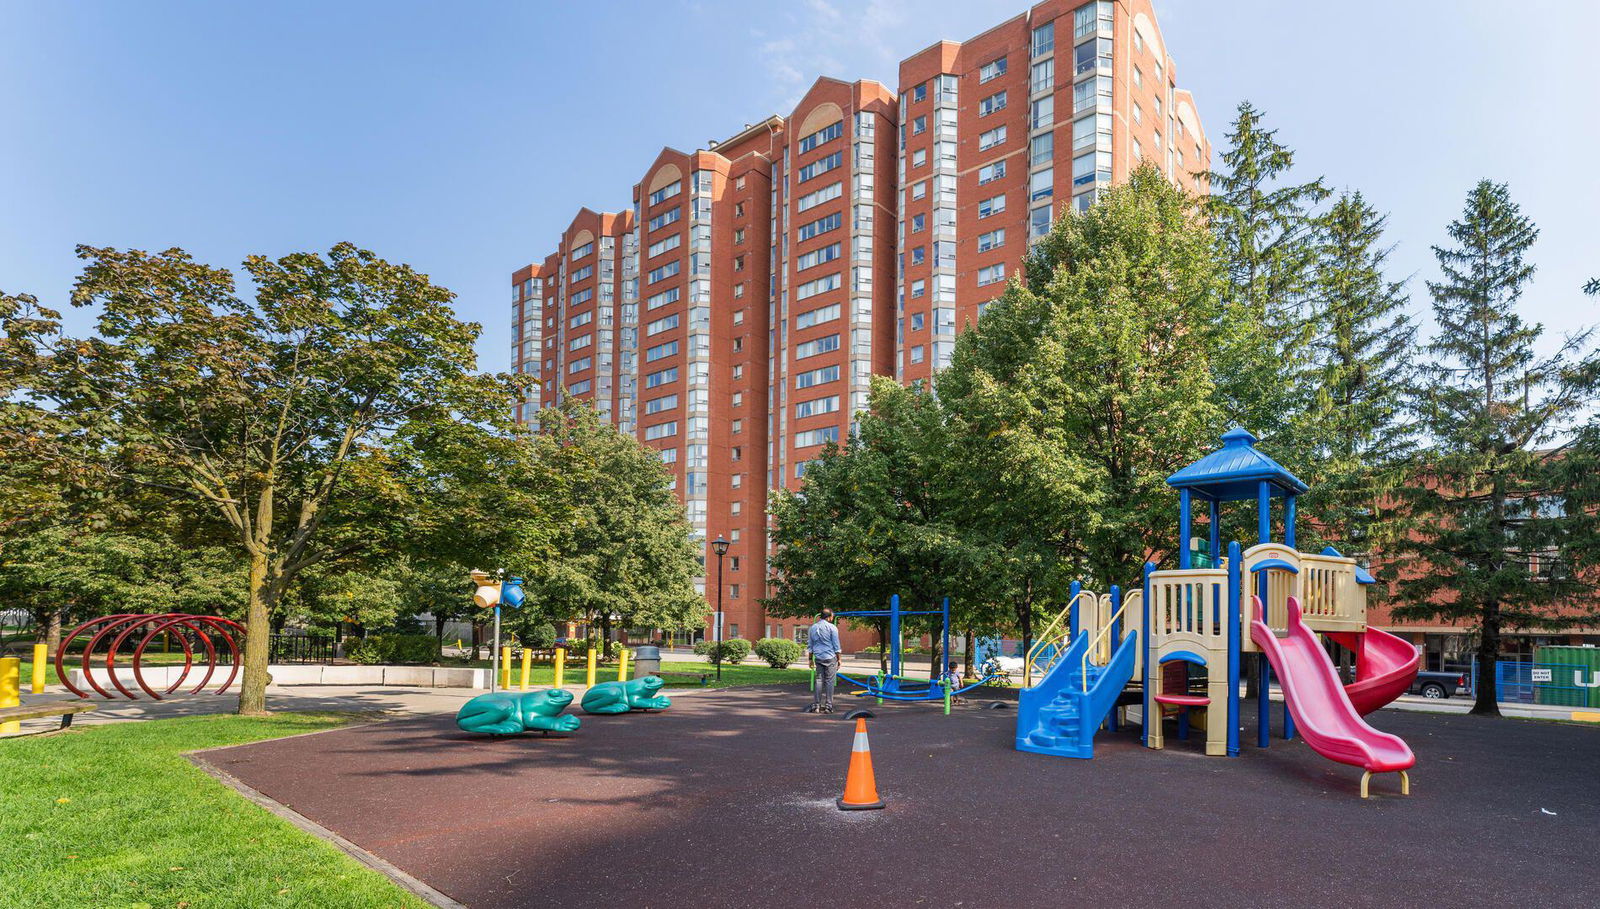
(253, 686)
(52, 631)
(1486, 699)
(971, 671)
(438, 627)
(936, 664)
(883, 645)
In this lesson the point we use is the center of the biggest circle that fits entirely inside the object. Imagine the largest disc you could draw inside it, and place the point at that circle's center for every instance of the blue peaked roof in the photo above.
(1235, 472)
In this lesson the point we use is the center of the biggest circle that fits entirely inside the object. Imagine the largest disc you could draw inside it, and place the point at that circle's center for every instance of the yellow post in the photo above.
(561, 665)
(527, 665)
(622, 666)
(505, 667)
(589, 679)
(10, 690)
(40, 658)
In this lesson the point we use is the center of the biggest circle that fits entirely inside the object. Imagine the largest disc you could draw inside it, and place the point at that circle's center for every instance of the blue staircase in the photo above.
(1057, 716)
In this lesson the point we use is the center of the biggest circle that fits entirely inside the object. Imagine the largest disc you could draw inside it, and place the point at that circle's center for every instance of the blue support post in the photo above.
(1072, 612)
(1288, 520)
(894, 640)
(946, 651)
(1263, 718)
(1263, 535)
(1216, 531)
(1116, 640)
(1185, 559)
(1236, 630)
(1264, 513)
(1144, 712)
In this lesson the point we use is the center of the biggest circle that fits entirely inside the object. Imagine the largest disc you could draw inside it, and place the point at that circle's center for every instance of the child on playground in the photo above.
(951, 678)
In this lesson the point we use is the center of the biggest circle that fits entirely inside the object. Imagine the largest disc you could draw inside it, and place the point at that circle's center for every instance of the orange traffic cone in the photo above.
(860, 789)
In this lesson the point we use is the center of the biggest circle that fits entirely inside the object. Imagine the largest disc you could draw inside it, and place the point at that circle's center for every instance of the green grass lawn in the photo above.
(114, 815)
(543, 674)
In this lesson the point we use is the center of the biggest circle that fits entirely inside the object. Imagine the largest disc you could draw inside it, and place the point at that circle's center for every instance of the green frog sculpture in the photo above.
(621, 697)
(511, 712)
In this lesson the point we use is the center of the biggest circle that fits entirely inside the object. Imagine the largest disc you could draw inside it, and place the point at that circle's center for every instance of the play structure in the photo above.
(894, 685)
(107, 635)
(1175, 646)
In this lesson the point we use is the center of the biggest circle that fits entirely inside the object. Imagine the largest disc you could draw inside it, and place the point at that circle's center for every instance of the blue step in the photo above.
(1052, 715)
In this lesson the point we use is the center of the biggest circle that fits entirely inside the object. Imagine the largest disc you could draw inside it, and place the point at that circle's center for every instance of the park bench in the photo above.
(63, 709)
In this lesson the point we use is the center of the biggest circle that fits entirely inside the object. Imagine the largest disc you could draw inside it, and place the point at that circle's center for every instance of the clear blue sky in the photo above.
(461, 137)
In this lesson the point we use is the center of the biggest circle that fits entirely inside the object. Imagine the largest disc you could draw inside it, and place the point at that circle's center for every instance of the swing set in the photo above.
(892, 685)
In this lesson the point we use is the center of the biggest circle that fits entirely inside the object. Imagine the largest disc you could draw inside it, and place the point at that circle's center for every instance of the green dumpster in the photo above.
(1567, 676)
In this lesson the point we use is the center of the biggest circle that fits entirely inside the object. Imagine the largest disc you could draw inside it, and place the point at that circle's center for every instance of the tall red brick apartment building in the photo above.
(732, 317)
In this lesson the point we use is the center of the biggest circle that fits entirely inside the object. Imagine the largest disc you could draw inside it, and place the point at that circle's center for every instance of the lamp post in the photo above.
(720, 547)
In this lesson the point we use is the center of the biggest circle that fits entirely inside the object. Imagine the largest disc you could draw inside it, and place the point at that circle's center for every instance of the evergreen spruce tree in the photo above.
(1355, 427)
(1498, 517)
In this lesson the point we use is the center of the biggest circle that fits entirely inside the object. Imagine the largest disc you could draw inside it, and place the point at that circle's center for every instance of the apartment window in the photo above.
(991, 274)
(655, 301)
(918, 320)
(661, 377)
(1092, 54)
(919, 157)
(737, 426)
(918, 254)
(581, 342)
(1093, 166)
(738, 209)
(920, 93)
(820, 285)
(819, 346)
(1043, 77)
(994, 102)
(821, 166)
(1039, 221)
(667, 217)
(661, 430)
(581, 251)
(738, 314)
(1158, 108)
(816, 377)
(1138, 114)
(919, 125)
(735, 508)
(579, 365)
(666, 192)
(1178, 155)
(990, 139)
(581, 297)
(734, 482)
(665, 271)
(992, 206)
(819, 226)
(661, 246)
(1041, 148)
(817, 316)
(1042, 184)
(1157, 137)
(918, 354)
(738, 291)
(1044, 38)
(660, 350)
(817, 257)
(738, 236)
(1138, 151)
(813, 437)
(919, 189)
(1043, 112)
(580, 274)
(918, 288)
(580, 388)
(738, 345)
(657, 405)
(661, 325)
(991, 172)
(991, 70)
(1138, 78)
(669, 455)
(821, 136)
(736, 453)
(582, 318)
(738, 263)
(812, 200)
(991, 240)
(816, 406)
(738, 371)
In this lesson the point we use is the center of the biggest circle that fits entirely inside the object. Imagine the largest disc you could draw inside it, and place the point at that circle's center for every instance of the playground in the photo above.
(731, 793)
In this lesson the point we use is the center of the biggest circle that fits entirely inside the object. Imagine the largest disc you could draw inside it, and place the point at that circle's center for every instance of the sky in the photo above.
(461, 137)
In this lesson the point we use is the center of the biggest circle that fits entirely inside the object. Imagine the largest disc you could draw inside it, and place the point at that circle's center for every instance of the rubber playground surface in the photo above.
(727, 799)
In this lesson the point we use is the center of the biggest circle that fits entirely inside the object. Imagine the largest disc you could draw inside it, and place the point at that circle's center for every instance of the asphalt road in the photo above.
(727, 799)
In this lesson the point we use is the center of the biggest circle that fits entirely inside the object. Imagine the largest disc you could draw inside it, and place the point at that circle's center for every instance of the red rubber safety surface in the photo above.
(727, 799)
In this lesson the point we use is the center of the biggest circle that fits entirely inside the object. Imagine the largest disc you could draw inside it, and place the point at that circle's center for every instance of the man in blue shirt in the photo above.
(822, 646)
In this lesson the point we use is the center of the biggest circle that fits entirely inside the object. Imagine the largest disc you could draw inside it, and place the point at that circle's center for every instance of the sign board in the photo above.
(1541, 675)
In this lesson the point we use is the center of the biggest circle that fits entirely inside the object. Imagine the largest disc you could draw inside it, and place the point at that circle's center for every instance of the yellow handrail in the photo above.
(1094, 645)
(1050, 636)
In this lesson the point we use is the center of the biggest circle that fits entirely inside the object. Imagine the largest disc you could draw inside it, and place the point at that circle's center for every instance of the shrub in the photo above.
(393, 648)
(540, 637)
(734, 650)
(704, 648)
(778, 652)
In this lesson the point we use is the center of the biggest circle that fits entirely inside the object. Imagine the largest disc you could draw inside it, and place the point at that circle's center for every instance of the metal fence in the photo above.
(300, 648)
(1561, 684)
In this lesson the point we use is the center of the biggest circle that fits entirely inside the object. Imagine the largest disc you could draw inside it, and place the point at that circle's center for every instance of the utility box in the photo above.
(1566, 676)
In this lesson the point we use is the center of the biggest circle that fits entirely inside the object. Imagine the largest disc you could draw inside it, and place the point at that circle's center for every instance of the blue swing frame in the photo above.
(894, 686)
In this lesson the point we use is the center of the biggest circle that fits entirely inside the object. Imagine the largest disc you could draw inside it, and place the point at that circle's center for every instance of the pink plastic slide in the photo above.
(1386, 666)
(1322, 711)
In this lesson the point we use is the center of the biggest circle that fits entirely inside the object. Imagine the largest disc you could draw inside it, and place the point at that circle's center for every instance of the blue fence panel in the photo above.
(1541, 683)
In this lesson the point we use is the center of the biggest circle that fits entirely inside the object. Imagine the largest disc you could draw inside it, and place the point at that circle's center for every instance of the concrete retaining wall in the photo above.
(159, 677)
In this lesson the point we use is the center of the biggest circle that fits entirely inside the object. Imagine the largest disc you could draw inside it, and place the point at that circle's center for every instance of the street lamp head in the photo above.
(720, 546)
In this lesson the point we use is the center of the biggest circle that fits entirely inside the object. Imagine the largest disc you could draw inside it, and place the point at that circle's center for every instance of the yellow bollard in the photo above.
(505, 668)
(41, 656)
(527, 665)
(589, 679)
(10, 690)
(622, 666)
(561, 665)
